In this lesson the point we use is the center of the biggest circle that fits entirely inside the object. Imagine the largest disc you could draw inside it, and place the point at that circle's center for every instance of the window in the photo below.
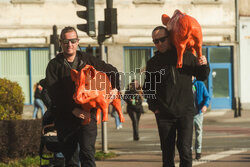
(25, 66)
(135, 63)
(220, 55)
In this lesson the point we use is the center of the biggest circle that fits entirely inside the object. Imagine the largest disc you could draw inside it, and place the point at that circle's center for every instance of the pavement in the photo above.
(226, 141)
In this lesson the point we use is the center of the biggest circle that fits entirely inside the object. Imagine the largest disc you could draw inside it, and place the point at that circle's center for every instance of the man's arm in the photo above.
(148, 93)
(202, 68)
(51, 80)
(206, 98)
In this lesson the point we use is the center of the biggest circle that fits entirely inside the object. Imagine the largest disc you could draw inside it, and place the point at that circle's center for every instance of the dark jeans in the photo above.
(167, 132)
(135, 118)
(85, 136)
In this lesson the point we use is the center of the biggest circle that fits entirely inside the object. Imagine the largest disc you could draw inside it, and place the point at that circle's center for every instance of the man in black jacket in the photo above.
(68, 114)
(133, 97)
(169, 95)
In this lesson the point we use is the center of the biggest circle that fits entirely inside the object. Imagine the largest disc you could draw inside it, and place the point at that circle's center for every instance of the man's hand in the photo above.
(81, 113)
(202, 60)
(204, 109)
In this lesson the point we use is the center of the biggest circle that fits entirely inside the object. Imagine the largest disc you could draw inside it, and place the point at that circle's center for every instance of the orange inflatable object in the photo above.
(185, 33)
(93, 91)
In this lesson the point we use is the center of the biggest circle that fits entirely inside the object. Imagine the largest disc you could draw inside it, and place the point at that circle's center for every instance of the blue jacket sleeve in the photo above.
(206, 96)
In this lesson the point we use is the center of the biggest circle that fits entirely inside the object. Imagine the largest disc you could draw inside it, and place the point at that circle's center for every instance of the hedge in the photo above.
(19, 138)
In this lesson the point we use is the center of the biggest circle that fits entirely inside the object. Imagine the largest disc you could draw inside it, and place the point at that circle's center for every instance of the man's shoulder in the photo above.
(53, 61)
(86, 57)
(57, 59)
(154, 58)
(81, 54)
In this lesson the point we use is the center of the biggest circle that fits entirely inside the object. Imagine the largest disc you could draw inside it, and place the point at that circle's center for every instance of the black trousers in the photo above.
(79, 144)
(168, 130)
(135, 118)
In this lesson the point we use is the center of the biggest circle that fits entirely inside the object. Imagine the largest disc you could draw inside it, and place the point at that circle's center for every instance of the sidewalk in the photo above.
(225, 116)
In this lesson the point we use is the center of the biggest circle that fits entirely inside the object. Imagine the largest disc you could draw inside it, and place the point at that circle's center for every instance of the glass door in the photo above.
(220, 88)
(220, 77)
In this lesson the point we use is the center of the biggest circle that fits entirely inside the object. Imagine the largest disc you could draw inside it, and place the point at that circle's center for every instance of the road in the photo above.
(226, 142)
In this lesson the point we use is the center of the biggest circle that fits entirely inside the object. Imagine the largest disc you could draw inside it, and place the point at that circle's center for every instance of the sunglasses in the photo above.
(162, 39)
(66, 41)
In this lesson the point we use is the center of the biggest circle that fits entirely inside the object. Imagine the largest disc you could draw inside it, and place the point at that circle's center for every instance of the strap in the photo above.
(76, 63)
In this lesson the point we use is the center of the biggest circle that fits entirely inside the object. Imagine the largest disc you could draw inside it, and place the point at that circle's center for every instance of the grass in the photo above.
(102, 156)
(35, 161)
(26, 162)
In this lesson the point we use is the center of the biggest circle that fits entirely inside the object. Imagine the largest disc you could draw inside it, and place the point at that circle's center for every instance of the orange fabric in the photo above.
(185, 33)
(93, 91)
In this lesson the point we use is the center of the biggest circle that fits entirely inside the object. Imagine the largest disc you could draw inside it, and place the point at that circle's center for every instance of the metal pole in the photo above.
(109, 3)
(104, 137)
(104, 124)
(237, 80)
(51, 51)
(236, 107)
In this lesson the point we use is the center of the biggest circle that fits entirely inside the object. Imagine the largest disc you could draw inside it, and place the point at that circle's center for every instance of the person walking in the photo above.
(202, 100)
(69, 116)
(168, 91)
(38, 103)
(134, 97)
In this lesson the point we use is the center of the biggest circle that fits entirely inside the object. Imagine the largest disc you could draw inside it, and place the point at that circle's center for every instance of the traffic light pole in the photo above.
(54, 43)
(104, 124)
(101, 38)
(51, 51)
(105, 30)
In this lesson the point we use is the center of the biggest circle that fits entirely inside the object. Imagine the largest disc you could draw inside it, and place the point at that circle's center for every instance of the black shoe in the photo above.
(198, 156)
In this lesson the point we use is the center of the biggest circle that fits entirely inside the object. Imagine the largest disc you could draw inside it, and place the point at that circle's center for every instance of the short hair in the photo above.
(67, 29)
(161, 28)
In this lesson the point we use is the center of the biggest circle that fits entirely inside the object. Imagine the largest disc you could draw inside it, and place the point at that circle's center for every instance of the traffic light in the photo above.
(88, 15)
(110, 21)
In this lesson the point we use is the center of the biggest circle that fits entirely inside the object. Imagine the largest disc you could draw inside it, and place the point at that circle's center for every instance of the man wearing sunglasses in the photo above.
(69, 115)
(173, 102)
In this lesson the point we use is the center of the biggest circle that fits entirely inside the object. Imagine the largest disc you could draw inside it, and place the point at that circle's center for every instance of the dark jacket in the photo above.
(37, 94)
(169, 89)
(61, 88)
(134, 95)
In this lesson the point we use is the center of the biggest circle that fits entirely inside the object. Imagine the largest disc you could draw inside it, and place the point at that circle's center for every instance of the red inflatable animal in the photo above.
(185, 33)
(93, 91)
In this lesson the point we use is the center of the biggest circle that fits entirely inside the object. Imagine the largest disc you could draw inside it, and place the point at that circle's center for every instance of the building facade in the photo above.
(26, 26)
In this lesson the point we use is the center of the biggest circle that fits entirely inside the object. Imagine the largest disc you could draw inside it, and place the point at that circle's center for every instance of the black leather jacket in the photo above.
(133, 100)
(169, 89)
